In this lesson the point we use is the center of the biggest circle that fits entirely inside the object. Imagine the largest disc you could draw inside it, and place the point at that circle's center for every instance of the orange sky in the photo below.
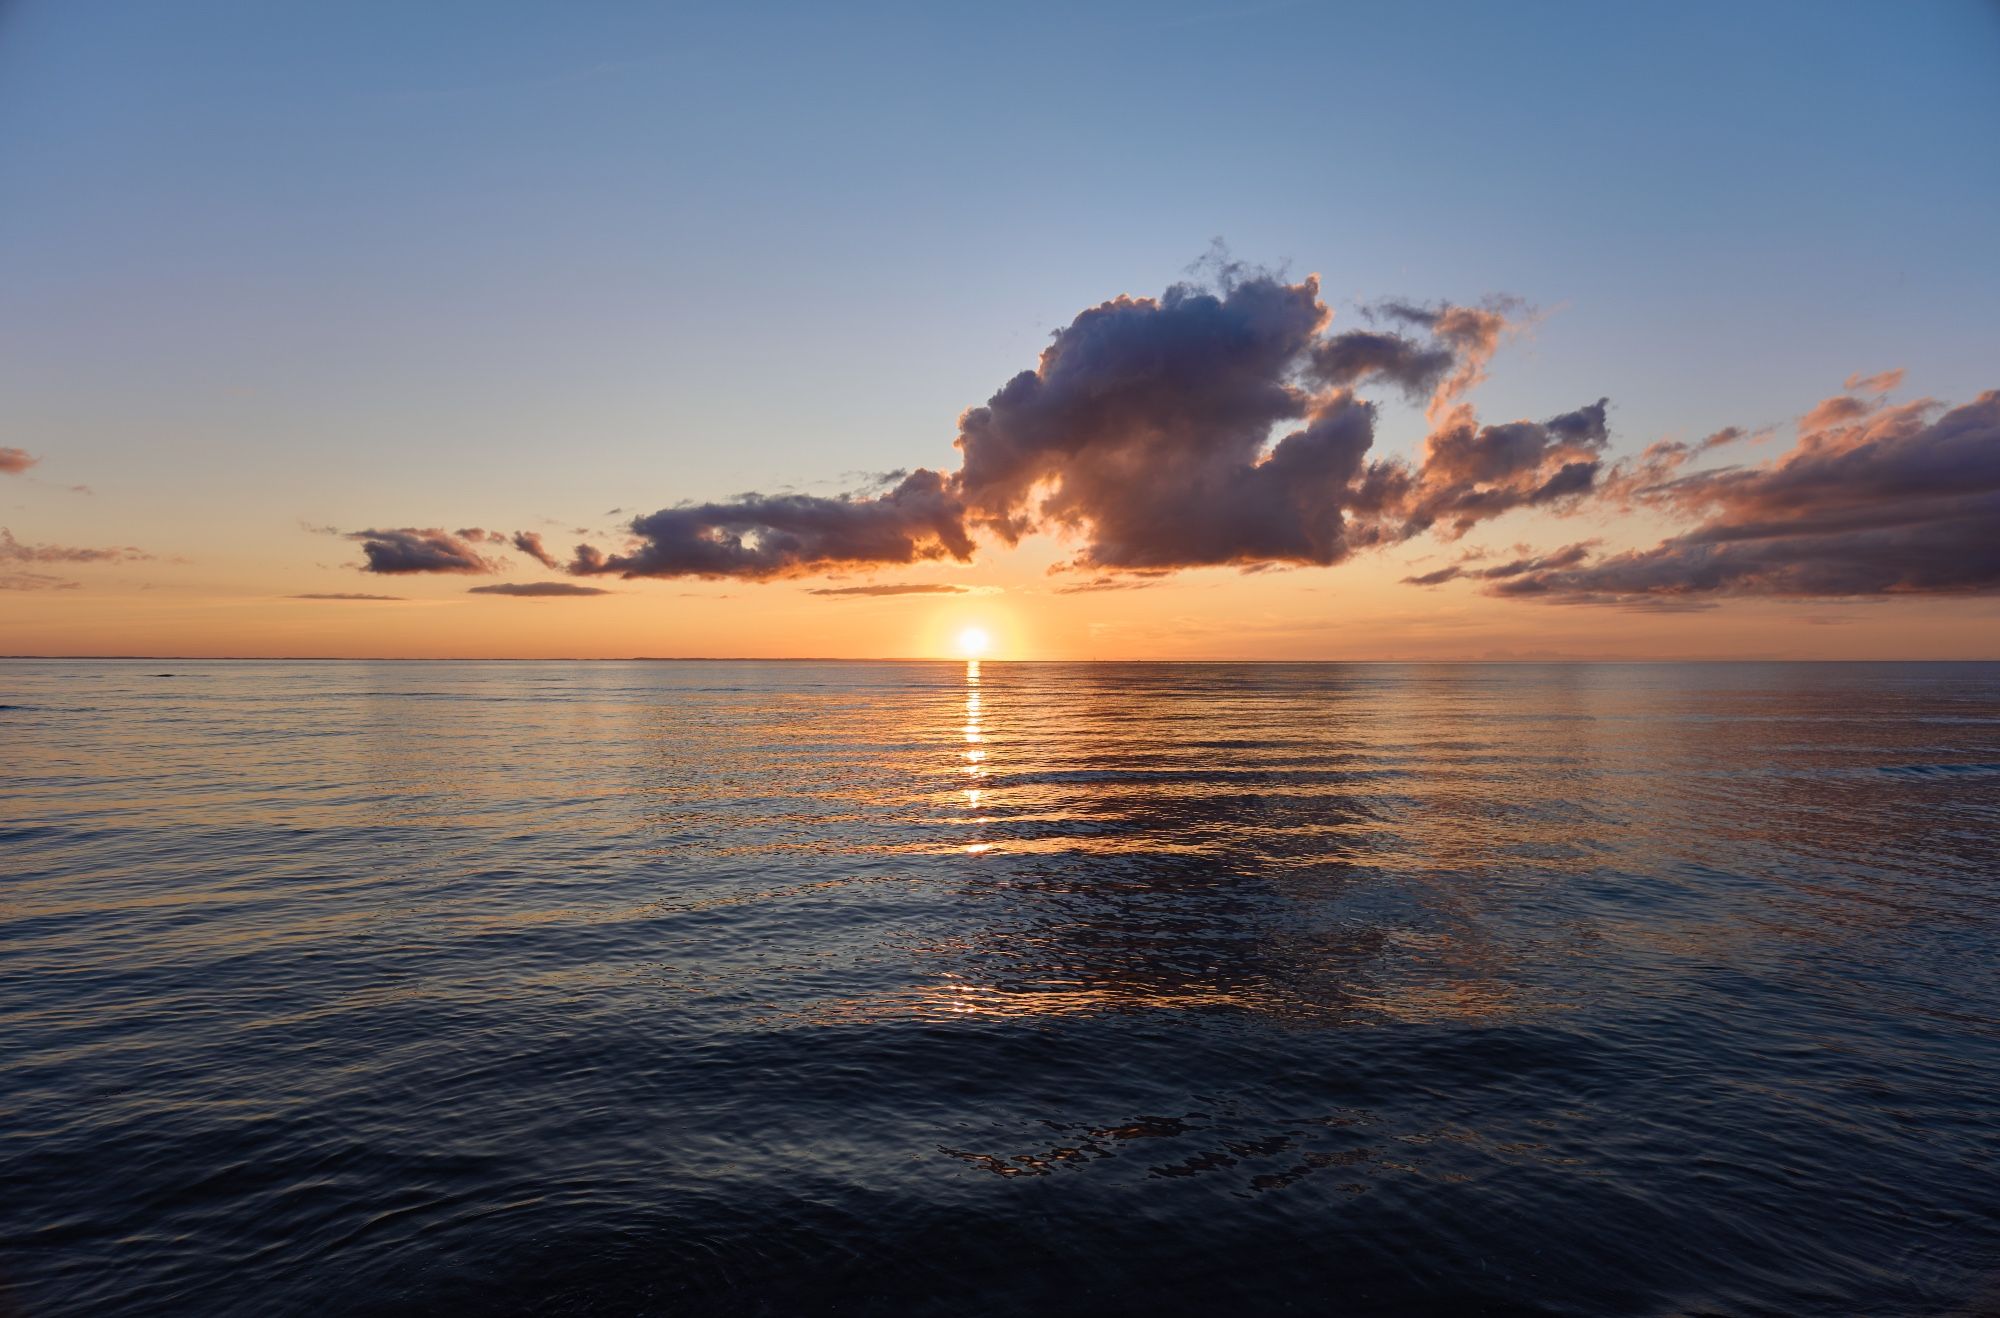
(235, 601)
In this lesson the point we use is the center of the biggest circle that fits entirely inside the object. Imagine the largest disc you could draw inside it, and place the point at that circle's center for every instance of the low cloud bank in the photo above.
(1872, 500)
(538, 589)
(761, 538)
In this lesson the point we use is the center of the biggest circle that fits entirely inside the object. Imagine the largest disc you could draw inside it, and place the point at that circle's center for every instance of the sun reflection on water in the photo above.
(974, 754)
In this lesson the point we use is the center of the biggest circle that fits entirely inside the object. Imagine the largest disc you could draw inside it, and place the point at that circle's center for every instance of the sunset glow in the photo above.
(567, 375)
(1151, 656)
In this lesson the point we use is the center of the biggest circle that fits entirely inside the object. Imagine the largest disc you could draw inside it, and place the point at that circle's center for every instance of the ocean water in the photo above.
(772, 988)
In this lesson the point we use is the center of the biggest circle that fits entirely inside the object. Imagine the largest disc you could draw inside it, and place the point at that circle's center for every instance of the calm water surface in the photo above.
(739, 988)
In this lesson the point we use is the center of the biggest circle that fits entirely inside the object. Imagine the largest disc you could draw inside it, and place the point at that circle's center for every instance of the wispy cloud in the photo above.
(13, 550)
(34, 581)
(538, 589)
(342, 595)
(892, 588)
(1108, 583)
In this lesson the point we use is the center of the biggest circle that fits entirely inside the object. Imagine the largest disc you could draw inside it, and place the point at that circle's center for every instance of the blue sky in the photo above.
(339, 260)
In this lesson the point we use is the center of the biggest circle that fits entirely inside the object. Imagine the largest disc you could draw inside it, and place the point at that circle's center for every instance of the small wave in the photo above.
(1932, 770)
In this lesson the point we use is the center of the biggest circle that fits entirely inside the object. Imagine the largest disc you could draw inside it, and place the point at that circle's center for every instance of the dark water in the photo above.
(774, 988)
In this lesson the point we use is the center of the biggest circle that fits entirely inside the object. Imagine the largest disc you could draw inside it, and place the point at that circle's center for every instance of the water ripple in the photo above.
(913, 988)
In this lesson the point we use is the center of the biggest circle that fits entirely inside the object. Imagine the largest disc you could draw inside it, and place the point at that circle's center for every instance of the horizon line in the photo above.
(909, 659)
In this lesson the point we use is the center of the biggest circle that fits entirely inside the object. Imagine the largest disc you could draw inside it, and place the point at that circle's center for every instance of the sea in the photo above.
(780, 988)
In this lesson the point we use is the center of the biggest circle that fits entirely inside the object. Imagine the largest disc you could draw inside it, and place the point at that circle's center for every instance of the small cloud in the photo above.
(1838, 410)
(412, 549)
(538, 589)
(14, 461)
(1876, 384)
(530, 543)
(343, 595)
(892, 588)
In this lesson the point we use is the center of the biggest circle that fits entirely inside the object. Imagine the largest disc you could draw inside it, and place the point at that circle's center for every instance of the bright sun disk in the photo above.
(973, 641)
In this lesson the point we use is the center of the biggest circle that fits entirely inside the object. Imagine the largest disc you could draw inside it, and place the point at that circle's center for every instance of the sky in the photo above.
(805, 322)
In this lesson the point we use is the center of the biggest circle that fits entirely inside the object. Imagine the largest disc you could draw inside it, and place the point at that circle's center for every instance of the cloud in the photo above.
(892, 588)
(1886, 382)
(479, 535)
(34, 581)
(12, 550)
(538, 589)
(1838, 410)
(1472, 335)
(14, 461)
(530, 543)
(1884, 501)
(409, 549)
(1568, 556)
(1096, 584)
(343, 595)
(1726, 435)
(1471, 472)
(1210, 426)
(1146, 431)
(764, 537)
(1348, 359)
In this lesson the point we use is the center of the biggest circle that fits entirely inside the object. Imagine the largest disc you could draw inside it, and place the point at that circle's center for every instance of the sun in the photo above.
(973, 642)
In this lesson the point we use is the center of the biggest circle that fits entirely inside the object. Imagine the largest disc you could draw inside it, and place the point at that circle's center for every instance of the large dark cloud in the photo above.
(1137, 405)
(1208, 426)
(411, 549)
(14, 461)
(789, 535)
(1873, 500)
